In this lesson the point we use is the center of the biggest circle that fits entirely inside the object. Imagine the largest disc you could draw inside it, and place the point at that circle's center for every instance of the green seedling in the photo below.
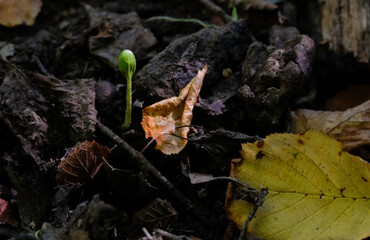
(127, 66)
(234, 14)
(37, 233)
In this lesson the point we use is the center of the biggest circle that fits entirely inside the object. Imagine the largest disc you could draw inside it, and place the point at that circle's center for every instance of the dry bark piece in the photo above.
(82, 164)
(23, 110)
(351, 127)
(169, 117)
(347, 31)
(16, 12)
(36, 108)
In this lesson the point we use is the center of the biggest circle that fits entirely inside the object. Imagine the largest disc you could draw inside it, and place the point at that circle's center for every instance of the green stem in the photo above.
(186, 20)
(127, 122)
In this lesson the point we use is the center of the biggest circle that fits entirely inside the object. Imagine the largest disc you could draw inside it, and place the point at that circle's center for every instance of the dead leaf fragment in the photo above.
(156, 215)
(17, 12)
(82, 164)
(6, 214)
(166, 118)
(316, 190)
(351, 127)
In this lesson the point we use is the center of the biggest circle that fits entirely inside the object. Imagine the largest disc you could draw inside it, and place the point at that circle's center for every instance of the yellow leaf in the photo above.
(16, 12)
(351, 127)
(164, 119)
(316, 190)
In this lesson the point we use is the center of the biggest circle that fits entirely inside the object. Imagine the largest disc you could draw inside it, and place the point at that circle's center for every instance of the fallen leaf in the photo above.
(7, 214)
(82, 164)
(17, 12)
(169, 117)
(316, 190)
(156, 215)
(351, 127)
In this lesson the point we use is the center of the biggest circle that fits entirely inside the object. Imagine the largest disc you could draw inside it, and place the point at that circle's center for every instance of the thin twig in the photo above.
(147, 145)
(259, 201)
(170, 235)
(147, 234)
(110, 166)
(141, 159)
(217, 10)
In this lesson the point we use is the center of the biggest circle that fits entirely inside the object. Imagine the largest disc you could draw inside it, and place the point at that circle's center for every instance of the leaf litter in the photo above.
(66, 108)
(351, 127)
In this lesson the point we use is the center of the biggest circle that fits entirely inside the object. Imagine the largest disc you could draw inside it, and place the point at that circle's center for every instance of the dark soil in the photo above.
(62, 81)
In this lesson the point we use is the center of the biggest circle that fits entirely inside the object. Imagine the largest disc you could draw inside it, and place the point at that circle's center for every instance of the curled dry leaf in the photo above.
(165, 119)
(82, 164)
(351, 127)
(16, 12)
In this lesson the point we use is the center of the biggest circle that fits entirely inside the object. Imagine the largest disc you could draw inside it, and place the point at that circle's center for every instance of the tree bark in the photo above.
(345, 25)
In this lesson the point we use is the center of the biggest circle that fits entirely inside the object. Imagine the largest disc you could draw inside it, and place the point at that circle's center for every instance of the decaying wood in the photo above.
(345, 25)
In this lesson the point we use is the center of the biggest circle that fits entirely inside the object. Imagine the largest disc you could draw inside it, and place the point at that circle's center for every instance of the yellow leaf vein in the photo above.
(331, 180)
(334, 220)
(297, 223)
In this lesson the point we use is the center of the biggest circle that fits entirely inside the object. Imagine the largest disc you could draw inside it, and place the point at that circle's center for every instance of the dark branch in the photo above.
(141, 159)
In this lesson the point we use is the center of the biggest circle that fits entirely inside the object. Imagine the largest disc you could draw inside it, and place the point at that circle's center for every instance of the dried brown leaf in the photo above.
(351, 127)
(156, 215)
(6, 213)
(82, 164)
(164, 119)
(16, 12)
